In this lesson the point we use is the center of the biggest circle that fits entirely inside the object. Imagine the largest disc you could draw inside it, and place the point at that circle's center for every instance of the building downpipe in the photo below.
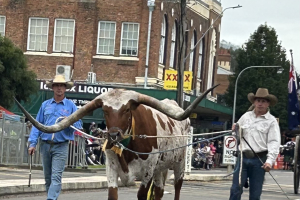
(150, 4)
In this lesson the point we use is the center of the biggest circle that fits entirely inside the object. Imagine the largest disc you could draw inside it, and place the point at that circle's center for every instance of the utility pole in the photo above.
(182, 50)
(182, 47)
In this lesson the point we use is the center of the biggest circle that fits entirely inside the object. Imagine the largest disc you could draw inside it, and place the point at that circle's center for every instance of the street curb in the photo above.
(67, 169)
(36, 188)
(204, 177)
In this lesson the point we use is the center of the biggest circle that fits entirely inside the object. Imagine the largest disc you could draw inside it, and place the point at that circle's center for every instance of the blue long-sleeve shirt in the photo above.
(47, 115)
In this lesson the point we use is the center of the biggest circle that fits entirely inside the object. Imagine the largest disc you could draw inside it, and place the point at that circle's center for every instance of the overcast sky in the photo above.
(282, 15)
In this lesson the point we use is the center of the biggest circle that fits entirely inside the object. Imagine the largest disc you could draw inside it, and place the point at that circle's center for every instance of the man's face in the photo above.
(59, 89)
(261, 105)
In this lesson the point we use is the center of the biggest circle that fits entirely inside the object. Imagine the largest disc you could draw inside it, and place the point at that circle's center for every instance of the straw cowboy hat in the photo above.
(263, 93)
(59, 79)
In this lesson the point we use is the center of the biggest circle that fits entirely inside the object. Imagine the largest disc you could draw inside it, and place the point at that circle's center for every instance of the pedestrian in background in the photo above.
(212, 153)
(261, 130)
(54, 147)
(219, 152)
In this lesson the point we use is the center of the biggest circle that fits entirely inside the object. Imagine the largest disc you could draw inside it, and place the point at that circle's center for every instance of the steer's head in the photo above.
(117, 105)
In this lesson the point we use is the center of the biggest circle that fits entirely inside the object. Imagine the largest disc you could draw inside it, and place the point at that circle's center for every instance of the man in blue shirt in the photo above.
(54, 147)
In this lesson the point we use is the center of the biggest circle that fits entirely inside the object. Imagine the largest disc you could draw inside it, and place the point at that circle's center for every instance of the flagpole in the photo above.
(292, 60)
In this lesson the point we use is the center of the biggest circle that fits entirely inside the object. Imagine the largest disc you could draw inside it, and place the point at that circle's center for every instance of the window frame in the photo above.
(98, 38)
(192, 53)
(54, 36)
(28, 34)
(173, 45)
(200, 61)
(3, 24)
(138, 36)
(163, 41)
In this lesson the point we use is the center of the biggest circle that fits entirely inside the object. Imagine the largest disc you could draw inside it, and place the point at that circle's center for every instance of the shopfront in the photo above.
(208, 116)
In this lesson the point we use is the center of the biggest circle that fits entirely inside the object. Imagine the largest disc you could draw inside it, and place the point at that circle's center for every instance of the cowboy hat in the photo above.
(59, 79)
(263, 93)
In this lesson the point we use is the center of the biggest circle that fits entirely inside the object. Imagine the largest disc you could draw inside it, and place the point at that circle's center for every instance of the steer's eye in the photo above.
(127, 110)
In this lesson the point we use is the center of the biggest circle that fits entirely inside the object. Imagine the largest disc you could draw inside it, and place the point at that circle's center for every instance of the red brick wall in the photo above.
(87, 15)
(224, 83)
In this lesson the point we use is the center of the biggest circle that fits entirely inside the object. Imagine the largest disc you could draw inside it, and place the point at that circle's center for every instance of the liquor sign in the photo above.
(170, 81)
(82, 88)
(230, 146)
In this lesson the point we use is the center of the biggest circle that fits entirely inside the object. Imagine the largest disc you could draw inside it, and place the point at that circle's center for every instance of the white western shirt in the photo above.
(262, 133)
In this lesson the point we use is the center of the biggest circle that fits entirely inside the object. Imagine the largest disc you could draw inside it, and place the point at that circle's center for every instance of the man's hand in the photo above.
(267, 167)
(233, 127)
(31, 150)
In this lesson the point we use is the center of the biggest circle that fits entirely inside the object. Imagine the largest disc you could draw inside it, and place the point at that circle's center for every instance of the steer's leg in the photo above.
(159, 182)
(178, 178)
(112, 193)
(177, 186)
(112, 175)
(143, 191)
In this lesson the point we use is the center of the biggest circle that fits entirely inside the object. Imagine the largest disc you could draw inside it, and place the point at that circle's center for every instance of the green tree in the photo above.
(262, 49)
(15, 78)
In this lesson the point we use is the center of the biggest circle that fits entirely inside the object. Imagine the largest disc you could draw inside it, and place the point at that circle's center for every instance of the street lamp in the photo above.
(235, 89)
(210, 27)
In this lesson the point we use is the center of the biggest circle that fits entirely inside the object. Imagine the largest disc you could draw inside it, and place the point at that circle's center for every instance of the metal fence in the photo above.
(14, 135)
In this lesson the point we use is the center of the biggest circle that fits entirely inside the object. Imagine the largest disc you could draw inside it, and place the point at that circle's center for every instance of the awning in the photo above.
(6, 111)
(8, 115)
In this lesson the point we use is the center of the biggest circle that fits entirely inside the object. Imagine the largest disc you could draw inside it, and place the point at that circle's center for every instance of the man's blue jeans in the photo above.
(252, 169)
(54, 159)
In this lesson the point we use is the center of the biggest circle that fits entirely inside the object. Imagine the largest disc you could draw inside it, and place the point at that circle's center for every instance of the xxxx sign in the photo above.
(171, 76)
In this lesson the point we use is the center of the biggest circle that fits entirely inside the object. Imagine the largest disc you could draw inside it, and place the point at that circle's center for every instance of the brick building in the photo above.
(110, 38)
(224, 71)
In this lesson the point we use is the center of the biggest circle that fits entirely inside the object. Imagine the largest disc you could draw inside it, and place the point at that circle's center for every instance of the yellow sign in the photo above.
(170, 82)
(193, 115)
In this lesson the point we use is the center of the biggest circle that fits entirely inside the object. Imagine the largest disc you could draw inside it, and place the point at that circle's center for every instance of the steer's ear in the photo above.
(133, 104)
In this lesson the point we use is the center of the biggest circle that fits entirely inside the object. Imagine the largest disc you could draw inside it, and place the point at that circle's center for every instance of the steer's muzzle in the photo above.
(115, 135)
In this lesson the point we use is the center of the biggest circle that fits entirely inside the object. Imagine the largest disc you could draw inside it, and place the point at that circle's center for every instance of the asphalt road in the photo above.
(201, 190)
(217, 190)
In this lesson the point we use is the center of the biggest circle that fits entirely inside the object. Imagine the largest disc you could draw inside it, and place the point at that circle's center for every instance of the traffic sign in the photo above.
(230, 146)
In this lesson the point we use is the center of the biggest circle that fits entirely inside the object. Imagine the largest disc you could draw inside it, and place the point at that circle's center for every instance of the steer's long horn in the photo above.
(170, 110)
(96, 103)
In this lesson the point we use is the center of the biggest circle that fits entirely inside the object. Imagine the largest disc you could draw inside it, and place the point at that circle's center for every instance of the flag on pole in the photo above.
(293, 105)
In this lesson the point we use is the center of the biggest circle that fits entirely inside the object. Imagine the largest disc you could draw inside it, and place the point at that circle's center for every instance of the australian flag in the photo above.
(293, 105)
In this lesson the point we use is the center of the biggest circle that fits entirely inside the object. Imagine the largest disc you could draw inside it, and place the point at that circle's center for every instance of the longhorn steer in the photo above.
(128, 113)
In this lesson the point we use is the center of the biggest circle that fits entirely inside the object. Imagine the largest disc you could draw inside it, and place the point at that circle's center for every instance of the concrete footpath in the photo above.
(15, 180)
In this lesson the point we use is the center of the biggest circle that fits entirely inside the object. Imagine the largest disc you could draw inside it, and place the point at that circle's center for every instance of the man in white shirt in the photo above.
(261, 131)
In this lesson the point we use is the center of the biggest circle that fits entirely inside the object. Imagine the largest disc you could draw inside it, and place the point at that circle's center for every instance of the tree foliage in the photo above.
(15, 78)
(262, 49)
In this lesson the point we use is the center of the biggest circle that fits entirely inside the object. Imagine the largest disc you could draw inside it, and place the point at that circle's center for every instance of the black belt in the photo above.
(250, 154)
(52, 142)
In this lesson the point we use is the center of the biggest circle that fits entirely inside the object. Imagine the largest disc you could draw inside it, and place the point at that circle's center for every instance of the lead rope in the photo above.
(241, 160)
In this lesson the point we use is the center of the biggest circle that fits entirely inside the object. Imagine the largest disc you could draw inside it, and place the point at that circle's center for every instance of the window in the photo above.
(200, 59)
(191, 64)
(130, 38)
(163, 40)
(173, 44)
(2, 25)
(38, 34)
(106, 38)
(64, 35)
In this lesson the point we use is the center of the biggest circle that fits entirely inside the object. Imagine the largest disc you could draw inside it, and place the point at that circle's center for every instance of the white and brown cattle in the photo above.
(128, 113)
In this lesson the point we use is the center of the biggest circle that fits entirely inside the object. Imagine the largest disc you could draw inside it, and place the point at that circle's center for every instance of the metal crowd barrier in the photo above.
(14, 134)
